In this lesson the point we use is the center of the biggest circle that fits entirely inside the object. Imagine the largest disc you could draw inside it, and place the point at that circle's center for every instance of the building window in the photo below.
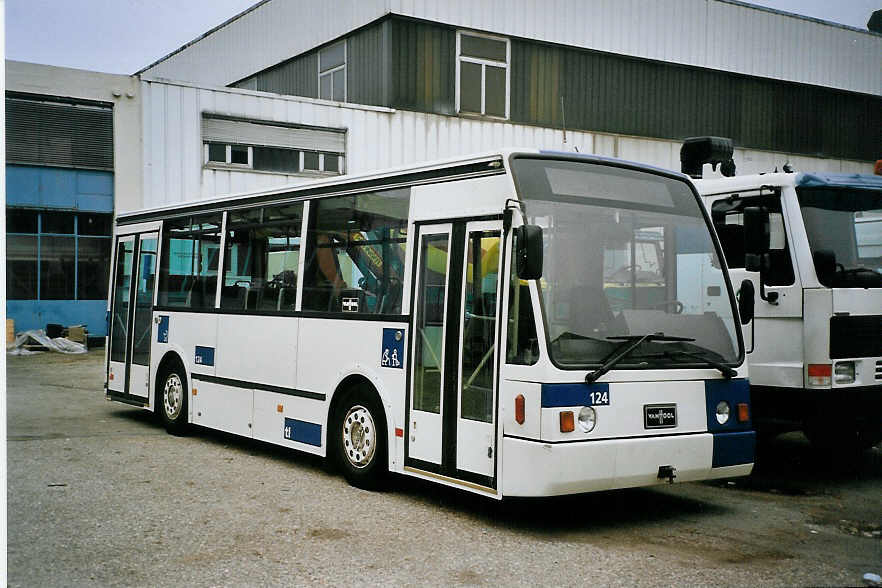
(251, 145)
(57, 255)
(482, 74)
(227, 154)
(332, 72)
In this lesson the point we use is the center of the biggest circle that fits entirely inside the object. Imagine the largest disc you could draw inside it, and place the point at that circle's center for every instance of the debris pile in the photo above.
(36, 341)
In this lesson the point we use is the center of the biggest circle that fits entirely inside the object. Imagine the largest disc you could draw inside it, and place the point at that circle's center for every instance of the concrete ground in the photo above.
(99, 494)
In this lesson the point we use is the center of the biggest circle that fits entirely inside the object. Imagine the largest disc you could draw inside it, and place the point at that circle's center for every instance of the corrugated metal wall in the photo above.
(411, 65)
(367, 70)
(423, 67)
(716, 34)
(368, 65)
(629, 96)
(377, 138)
(45, 132)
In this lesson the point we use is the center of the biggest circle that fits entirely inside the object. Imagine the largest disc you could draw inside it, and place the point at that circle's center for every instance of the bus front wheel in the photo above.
(171, 398)
(359, 440)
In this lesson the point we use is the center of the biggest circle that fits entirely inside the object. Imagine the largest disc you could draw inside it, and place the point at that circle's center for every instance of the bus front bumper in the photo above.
(536, 468)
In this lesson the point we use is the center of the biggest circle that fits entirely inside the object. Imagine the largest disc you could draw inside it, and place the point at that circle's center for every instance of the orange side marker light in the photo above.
(519, 409)
(743, 412)
(567, 422)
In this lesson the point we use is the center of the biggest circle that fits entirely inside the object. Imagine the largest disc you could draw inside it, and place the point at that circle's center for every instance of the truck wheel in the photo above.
(849, 438)
(171, 398)
(359, 440)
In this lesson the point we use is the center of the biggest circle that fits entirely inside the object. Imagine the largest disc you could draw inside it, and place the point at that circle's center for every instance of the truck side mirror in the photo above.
(746, 297)
(756, 231)
(825, 265)
(528, 253)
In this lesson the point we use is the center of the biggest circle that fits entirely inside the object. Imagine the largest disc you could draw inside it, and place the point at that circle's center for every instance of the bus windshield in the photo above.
(846, 223)
(626, 253)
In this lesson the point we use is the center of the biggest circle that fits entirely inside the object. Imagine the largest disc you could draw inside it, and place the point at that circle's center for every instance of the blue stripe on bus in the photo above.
(732, 391)
(204, 355)
(302, 432)
(162, 330)
(570, 394)
(734, 448)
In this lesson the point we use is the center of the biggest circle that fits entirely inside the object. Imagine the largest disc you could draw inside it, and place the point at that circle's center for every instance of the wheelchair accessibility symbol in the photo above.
(393, 348)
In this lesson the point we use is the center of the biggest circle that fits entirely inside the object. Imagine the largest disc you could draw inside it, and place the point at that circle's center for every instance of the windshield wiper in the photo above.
(727, 372)
(857, 270)
(630, 343)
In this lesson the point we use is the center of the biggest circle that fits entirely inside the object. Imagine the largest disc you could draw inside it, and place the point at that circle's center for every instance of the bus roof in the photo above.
(487, 163)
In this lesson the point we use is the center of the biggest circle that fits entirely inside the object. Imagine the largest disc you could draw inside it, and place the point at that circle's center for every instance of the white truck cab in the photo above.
(810, 245)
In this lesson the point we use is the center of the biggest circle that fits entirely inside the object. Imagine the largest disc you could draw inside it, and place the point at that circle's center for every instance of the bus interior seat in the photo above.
(391, 302)
(590, 311)
(233, 296)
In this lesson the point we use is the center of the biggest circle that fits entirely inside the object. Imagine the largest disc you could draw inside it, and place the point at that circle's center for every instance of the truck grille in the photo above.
(855, 336)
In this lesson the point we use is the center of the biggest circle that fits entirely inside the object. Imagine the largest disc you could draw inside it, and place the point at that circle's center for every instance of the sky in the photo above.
(124, 36)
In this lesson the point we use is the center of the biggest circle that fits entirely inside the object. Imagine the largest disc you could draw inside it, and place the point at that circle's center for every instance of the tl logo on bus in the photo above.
(393, 348)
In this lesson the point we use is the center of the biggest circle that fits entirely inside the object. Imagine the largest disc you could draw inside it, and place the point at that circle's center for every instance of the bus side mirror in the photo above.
(746, 296)
(529, 251)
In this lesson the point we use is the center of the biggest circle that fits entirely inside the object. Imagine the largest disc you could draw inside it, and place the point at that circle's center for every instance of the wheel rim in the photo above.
(359, 436)
(173, 396)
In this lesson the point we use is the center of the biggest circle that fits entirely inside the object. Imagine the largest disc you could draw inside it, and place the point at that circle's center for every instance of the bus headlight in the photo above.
(843, 372)
(722, 412)
(587, 419)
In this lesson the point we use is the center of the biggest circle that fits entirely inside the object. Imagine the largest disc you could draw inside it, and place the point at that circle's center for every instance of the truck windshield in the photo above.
(847, 223)
(626, 252)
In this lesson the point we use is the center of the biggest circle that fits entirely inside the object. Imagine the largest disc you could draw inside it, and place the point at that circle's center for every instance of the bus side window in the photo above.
(729, 223)
(523, 344)
(261, 260)
(188, 270)
(356, 251)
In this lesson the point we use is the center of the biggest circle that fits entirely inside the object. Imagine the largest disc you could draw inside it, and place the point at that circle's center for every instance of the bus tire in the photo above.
(171, 397)
(359, 440)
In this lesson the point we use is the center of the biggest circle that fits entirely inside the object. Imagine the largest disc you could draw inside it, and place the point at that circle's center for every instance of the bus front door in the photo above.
(132, 317)
(451, 425)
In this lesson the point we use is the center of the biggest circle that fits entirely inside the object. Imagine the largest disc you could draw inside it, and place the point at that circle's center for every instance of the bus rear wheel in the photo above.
(171, 398)
(359, 440)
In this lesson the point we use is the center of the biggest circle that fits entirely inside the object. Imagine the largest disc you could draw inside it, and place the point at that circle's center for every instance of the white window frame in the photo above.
(330, 72)
(228, 158)
(321, 163)
(484, 63)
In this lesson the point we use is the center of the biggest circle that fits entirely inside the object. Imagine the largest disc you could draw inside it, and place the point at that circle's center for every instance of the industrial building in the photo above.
(292, 90)
(398, 81)
(72, 159)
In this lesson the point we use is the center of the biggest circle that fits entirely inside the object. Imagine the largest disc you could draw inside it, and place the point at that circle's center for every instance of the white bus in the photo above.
(480, 322)
(811, 245)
